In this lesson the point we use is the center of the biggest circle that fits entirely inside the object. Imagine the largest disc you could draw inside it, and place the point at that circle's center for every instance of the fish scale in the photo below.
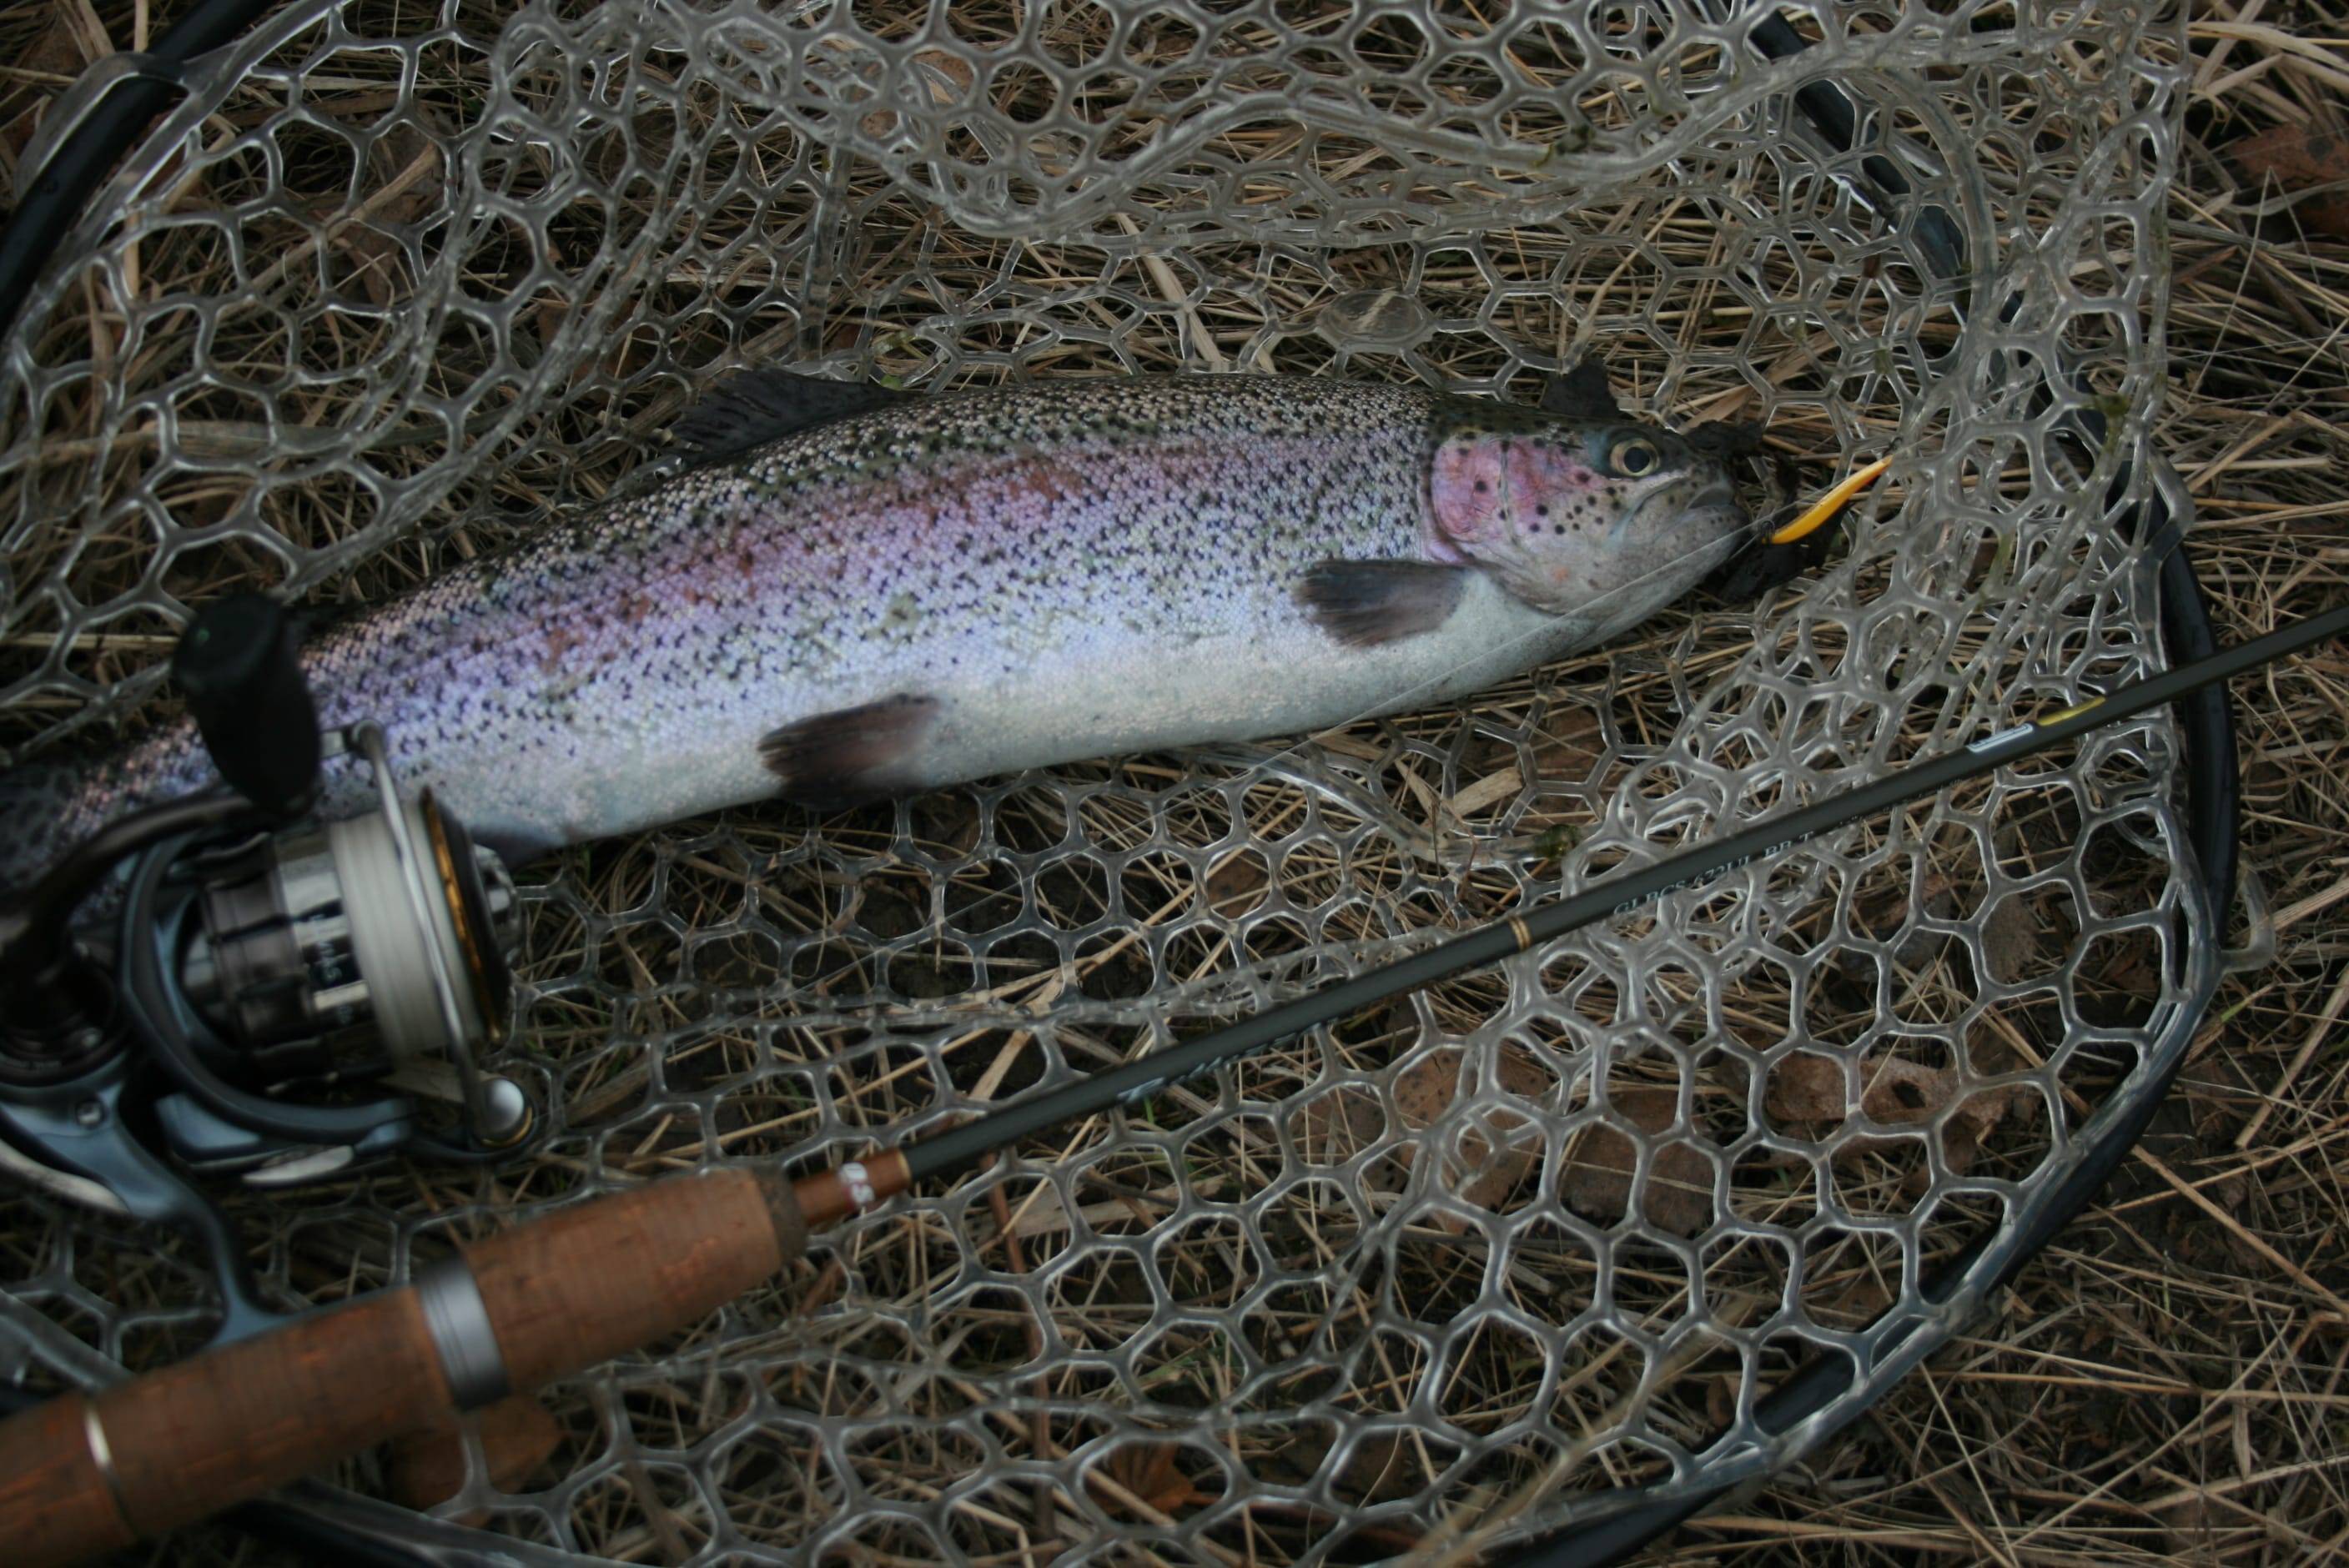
(949, 587)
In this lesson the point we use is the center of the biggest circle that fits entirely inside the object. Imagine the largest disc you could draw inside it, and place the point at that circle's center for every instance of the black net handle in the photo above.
(62, 186)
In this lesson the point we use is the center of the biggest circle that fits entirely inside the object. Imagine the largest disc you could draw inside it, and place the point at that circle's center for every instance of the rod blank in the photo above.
(962, 1146)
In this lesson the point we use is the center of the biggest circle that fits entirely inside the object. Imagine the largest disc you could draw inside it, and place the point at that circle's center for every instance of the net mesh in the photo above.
(394, 284)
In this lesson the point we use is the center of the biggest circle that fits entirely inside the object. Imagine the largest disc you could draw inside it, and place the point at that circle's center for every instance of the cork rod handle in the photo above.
(84, 1475)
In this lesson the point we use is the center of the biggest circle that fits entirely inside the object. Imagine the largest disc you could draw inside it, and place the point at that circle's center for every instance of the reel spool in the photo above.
(304, 953)
(278, 994)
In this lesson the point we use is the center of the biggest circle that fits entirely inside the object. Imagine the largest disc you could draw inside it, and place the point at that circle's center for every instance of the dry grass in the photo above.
(2170, 1383)
(2164, 1385)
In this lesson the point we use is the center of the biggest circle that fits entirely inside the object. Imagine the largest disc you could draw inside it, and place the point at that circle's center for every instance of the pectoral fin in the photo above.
(1365, 604)
(849, 755)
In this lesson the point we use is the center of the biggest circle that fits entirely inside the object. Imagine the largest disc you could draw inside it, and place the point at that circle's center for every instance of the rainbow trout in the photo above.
(858, 592)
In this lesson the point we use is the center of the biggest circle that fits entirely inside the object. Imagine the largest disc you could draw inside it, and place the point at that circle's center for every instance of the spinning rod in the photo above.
(86, 1474)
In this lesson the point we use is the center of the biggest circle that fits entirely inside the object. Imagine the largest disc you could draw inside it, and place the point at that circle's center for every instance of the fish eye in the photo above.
(1634, 456)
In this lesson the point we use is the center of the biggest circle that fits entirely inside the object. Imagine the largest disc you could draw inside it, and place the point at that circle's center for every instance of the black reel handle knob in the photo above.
(237, 666)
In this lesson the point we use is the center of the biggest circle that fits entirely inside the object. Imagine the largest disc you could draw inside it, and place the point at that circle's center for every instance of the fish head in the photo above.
(1579, 517)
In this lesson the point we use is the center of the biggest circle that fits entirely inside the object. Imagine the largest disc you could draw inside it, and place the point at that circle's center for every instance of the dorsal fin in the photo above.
(1581, 393)
(753, 408)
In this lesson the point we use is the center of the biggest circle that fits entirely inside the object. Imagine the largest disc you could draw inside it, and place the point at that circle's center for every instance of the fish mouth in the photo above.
(1714, 509)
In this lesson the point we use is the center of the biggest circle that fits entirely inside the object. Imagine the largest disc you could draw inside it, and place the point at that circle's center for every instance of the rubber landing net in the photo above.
(388, 285)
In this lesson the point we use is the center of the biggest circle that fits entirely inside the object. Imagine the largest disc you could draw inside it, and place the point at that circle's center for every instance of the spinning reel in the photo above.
(270, 983)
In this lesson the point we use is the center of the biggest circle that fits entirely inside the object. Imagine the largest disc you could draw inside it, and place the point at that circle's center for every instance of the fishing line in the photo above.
(1623, 893)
